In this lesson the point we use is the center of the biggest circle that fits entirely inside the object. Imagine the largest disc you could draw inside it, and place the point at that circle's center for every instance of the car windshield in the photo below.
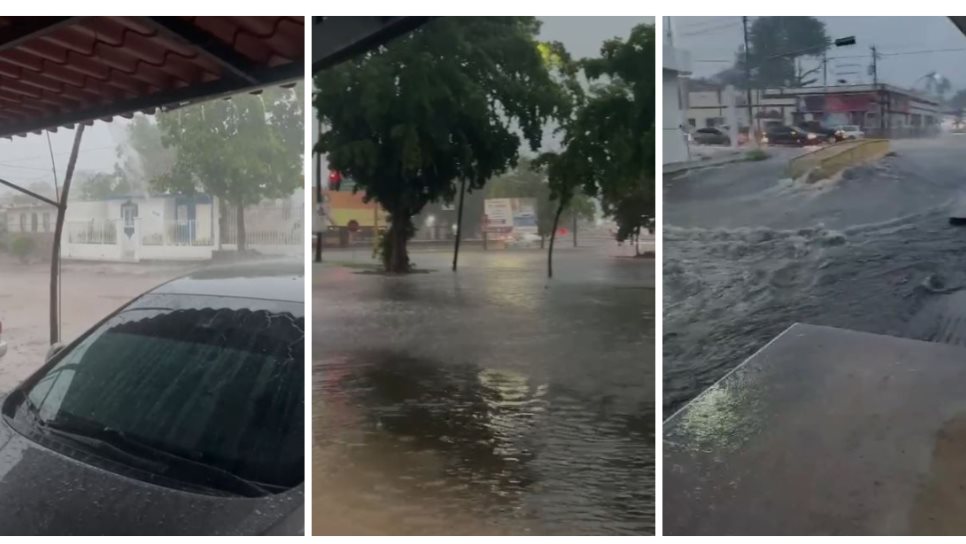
(214, 380)
(850, 128)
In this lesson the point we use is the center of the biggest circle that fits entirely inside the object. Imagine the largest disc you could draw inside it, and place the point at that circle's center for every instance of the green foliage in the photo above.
(22, 247)
(756, 155)
(609, 141)
(144, 157)
(448, 102)
(242, 150)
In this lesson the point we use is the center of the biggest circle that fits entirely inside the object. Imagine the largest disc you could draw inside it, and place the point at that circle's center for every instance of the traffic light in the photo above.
(335, 180)
(848, 40)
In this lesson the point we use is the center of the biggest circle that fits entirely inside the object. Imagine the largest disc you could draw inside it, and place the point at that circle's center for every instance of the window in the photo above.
(46, 219)
(215, 380)
(23, 222)
(692, 122)
(33, 222)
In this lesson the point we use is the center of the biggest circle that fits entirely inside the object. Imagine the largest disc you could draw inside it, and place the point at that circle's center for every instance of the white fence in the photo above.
(95, 231)
(176, 233)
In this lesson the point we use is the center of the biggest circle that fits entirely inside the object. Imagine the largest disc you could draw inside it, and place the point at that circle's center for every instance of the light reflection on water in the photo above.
(445, 406)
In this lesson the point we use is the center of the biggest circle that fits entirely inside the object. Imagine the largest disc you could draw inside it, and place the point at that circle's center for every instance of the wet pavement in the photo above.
(823, 432)
(485, 402)
(747, 253)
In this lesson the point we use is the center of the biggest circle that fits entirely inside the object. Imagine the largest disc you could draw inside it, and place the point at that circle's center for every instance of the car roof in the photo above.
(270, 279)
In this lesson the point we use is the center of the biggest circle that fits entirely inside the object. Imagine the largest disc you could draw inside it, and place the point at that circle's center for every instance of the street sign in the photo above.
(353, 225)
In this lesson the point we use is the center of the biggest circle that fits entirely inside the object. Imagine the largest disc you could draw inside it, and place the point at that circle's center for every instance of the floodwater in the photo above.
(871, 251)
(485, 402)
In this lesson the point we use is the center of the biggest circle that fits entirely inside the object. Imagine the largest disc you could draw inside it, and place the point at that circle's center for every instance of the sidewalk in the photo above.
(706, 161)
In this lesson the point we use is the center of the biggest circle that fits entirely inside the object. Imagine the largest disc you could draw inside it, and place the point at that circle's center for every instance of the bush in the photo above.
(756, 155)
(22, 247)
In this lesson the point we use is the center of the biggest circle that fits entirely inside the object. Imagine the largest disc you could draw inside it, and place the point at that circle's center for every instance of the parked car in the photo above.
(851, 132)
(824, 133)
(181, 413)
(785, 135)
(711, 136)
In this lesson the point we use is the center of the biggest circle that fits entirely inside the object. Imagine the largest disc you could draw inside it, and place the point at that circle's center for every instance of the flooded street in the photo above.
(490, 401)
(748, 253)
(91, 291)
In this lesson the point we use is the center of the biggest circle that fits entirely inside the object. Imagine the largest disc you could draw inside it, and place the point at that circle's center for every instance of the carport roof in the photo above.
(58, 71)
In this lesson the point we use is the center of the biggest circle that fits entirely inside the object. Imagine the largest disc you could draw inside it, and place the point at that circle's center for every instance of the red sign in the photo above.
(844, 103)
(353, 225)
(562, 231)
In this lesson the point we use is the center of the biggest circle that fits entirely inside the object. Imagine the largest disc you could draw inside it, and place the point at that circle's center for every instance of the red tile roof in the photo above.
(57, 71)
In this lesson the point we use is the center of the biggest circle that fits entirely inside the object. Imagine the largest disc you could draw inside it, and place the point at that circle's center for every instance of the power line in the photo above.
(713, 29)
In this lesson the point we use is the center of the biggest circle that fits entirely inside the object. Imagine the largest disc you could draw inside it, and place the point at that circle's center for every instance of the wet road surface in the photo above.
(748, 253)
(486, 402)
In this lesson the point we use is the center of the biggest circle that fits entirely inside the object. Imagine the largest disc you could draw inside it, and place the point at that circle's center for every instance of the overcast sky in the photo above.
(713, 41)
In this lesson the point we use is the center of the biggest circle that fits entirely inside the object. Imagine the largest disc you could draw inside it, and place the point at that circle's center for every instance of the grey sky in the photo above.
(717, 39)
(26, 160)
(583, 36)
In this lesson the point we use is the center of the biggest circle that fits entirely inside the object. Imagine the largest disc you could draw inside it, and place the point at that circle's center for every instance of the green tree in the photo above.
(444, 106)
(240, 150)
(143, 156)
(609, 141)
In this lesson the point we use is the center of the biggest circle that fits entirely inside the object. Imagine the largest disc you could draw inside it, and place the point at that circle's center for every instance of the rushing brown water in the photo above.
(486, 402)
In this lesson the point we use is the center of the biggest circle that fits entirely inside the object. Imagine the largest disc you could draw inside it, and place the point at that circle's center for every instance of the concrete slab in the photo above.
(823, 431)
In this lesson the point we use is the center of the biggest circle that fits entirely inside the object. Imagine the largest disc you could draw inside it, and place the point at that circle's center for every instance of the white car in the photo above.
(851, 132)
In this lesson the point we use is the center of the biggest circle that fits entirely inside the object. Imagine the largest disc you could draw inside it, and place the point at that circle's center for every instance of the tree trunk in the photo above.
(459, 224)
(543, 238)
(395, 257)
(575, 229)
(222, 221)
(240, 228)
(553, 236)
(637, 243)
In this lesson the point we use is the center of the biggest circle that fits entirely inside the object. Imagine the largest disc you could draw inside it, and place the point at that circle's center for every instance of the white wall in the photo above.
(675, 147)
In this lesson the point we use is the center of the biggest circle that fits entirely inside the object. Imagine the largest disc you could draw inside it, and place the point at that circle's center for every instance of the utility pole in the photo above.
(319, 204)
(878, 93)
(751, 115)
(825, 70)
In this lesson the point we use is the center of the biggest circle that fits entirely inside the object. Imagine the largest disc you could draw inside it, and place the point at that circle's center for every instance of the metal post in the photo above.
(318, 202)
(751, 116)
(459, 223)
(58, 230)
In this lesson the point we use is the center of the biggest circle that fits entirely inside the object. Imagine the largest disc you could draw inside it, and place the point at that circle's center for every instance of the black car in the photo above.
(785, 135)
(822, 132)
(711, 136)
(181, 413)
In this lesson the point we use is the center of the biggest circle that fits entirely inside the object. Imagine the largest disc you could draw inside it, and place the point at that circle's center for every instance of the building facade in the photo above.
(880, 110)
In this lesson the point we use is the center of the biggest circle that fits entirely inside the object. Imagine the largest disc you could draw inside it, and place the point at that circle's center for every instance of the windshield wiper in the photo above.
(159, 461)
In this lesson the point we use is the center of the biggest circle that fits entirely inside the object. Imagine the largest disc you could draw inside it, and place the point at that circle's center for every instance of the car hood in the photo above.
(45, 493)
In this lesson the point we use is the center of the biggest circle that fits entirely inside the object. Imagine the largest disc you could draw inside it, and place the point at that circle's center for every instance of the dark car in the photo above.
(785, 135)
(181, 413)
(822, 132)
(711, 136)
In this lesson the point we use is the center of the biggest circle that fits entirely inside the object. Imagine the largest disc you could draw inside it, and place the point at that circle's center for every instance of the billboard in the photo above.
(506, 218)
